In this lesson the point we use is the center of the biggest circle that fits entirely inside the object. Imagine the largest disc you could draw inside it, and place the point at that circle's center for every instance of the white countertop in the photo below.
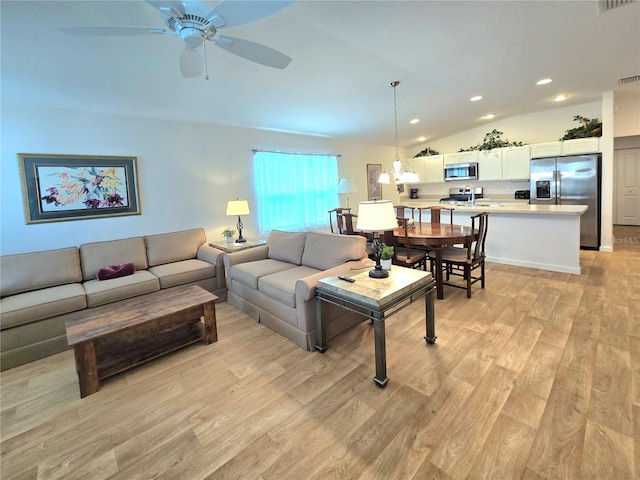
(511, 208)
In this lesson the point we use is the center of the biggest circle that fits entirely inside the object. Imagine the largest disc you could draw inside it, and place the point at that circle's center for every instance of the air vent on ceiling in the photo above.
(606, 5)
(631, 79)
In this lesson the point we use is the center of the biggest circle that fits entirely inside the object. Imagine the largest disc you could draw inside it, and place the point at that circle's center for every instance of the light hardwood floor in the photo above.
(535, 377)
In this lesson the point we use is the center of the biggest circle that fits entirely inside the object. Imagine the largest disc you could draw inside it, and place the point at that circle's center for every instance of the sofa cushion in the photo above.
(248, 273)
(33, 306)
(100, 292)
(286, 246)
(97, 255)
(173, 247)
(326, 250)
(281, 286)
(179, 273)
(32, 271)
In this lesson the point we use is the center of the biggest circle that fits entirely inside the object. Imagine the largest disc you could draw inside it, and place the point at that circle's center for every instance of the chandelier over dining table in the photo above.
(399, 172)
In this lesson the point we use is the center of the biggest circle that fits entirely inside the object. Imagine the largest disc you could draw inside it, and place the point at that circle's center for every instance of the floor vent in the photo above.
(606, 5)
(631, 79)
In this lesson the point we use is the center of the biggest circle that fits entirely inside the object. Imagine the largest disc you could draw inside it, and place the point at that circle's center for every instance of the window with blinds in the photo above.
(294, 191)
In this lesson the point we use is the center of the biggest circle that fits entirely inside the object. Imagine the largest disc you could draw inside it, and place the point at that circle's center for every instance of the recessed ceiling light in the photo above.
(422, 139)
(476, 98)
(544, 81)
(560, 98)
(415, 120)
(488, 117)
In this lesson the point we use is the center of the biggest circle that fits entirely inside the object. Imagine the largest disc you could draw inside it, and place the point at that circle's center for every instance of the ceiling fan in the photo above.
(196, 23)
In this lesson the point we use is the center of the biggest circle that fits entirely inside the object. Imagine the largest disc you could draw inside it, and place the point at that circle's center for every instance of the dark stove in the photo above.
(459, 196)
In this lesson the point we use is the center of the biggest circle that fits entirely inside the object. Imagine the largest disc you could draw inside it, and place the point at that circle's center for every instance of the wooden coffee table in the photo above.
(114, 337)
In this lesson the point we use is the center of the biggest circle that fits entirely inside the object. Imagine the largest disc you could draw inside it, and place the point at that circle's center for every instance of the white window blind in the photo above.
(294, 191)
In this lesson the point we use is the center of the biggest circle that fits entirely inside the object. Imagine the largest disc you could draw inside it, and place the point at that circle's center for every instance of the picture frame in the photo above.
(77, 187)
(374, 188)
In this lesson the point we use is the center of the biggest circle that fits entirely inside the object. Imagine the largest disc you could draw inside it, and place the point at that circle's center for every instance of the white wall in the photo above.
(186, 172)
(626, 114)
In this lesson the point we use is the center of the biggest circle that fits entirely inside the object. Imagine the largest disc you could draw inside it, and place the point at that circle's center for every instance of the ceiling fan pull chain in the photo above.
(206, 65)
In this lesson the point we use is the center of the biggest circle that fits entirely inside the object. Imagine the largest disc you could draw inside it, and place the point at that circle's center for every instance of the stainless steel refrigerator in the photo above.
(571, 180)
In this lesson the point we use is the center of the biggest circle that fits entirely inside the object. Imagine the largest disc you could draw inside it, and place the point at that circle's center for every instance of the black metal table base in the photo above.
(378, 317)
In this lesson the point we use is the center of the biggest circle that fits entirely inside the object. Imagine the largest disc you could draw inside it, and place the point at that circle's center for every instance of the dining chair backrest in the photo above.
(479, 222)
(435, 213)
(400, 211)
(339, 219)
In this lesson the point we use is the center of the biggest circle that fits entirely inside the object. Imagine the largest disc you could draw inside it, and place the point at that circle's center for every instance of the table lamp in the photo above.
(376, 217)
(238, 207)
(347, 186)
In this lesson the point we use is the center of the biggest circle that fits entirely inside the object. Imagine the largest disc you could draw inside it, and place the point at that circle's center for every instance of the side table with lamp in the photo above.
(377, 294)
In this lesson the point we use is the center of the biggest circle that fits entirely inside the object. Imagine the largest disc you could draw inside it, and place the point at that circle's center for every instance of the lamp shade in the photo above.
(238, 207)
(376, 216)
(346, 185)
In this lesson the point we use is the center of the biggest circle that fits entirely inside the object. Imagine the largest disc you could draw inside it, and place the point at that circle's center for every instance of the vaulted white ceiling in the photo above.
(344, 53)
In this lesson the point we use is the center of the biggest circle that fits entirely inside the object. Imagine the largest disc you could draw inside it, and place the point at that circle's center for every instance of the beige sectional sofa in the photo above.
(38, 289)
(275, 283)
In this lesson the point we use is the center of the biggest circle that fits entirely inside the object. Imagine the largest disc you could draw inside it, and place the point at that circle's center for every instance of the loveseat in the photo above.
(275, 283)
(38, 289)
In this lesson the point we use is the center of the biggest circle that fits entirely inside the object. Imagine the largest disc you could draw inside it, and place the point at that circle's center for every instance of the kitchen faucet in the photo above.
(473, 194)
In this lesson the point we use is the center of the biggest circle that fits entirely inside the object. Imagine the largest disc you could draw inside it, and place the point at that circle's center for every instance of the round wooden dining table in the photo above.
(437, 236)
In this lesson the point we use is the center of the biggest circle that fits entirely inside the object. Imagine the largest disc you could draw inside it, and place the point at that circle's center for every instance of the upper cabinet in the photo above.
(490, 164)
(581, 145)
(461, 157)
(549, 149)
(430, 169)
(516, 162)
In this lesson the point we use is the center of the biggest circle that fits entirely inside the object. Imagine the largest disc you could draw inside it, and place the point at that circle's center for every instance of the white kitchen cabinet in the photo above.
(490, 164)
(417, 165)
(549, 149)
(430, 169)
(516, 162)
(433, 169)
(581, 145)
(461, 157)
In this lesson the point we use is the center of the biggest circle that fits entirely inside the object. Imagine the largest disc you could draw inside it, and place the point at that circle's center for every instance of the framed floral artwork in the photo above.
(73, 187)
(374, 188)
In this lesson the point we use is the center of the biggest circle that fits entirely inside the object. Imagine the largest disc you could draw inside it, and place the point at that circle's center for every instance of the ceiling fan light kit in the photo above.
(195, 29)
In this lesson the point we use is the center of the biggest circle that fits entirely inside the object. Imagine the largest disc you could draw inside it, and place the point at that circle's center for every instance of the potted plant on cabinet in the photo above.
(227, 233)
(386, 254)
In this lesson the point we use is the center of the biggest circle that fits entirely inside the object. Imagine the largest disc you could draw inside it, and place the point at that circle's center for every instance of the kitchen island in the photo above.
(535, 236)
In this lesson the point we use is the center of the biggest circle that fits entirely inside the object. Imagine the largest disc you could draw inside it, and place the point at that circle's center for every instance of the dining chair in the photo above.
(403, 253)
(435, 213)
(463, 261)
(339, 219)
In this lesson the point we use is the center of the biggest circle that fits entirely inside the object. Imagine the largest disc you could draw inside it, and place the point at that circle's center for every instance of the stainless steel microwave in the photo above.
(461, 171)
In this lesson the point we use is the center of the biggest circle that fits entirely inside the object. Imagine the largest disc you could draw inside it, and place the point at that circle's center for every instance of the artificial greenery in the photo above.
(492, 140)
(589, 128)
(426, 152)
(228, 232)
(386, 252)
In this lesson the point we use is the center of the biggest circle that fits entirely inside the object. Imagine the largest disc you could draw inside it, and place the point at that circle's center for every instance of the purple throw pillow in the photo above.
(116, 271)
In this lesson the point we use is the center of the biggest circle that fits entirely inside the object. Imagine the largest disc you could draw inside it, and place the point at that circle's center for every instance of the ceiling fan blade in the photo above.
(230, 13)
(191, 62)
(116, 31)
(254, 52)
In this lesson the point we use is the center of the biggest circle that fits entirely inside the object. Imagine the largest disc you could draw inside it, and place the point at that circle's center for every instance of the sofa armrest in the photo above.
(215, 257)
(306, 287)
(243, 256)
